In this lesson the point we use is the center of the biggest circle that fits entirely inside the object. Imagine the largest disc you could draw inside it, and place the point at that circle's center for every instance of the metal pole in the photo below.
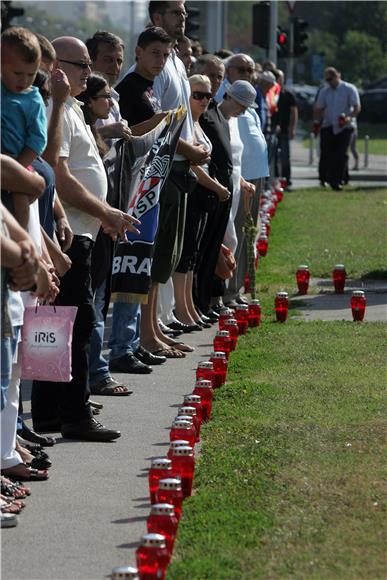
(290, 61)
(366, 144)
(273, 31)
(311, 148)
(216, 25)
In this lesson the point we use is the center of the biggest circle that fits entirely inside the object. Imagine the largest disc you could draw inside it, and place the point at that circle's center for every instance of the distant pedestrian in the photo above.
(337, 105)
(285, 124)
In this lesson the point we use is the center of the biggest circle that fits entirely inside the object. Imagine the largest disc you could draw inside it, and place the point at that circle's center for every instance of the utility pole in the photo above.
(216, 25)
(273, 31)
(290, 61)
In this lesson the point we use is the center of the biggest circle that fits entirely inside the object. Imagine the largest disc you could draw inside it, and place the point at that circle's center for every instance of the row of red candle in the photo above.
(338, 277)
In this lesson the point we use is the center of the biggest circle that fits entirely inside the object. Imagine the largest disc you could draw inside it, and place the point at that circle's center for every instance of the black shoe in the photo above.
(177, 325)
(89, 430)
(213, 315)
(216, 308)
(47, 425)
(147, 358)
(30, 435)
(241, 300)
(205, 319)
(129, 364)
(204, 324)
(168, 331)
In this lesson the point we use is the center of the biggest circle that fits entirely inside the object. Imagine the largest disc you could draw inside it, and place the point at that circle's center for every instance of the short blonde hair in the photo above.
(196, 79)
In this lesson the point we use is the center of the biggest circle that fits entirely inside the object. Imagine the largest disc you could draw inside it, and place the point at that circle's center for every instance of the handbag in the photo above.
(46, 343)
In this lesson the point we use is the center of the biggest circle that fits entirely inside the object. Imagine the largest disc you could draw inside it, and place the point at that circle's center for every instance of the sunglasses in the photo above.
(199, 95)
(82, 65)
(104, 96)
(242, 70)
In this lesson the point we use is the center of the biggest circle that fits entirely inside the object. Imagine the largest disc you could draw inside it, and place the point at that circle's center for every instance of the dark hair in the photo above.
(95, 83)
(23, 41)
(153, 34)
(158, 7)
(48, 51)
(223, 53)
(201, 62)
(40, 80)
(101, 36)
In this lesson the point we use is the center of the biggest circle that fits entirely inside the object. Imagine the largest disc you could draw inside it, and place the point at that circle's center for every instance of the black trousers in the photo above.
(69, 401)
(333, 155)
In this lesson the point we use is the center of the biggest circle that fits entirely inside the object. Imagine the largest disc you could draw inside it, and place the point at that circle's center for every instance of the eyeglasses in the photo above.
(199, 95)
(242, 70)
(104, 96)
(176, 13)
(82, 65)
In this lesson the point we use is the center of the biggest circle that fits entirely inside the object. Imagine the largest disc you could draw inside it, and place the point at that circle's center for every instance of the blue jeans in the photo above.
(125, 334)
(98, 366)
(8, 349)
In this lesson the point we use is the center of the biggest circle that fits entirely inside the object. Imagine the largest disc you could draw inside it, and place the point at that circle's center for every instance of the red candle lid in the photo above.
(187, 450)
(161, 463)
(207, 364)
(187, 411)
(162, 509)
(223, 333)
(218, 354)
(358, 293)
(181, 423)
(170, 483)
(303, 267)
(203, 383)
(125, 572)
(231, 322)
(192, 399)
(282, 294)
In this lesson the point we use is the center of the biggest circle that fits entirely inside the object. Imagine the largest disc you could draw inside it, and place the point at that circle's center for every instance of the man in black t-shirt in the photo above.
(137, 100)
(285, 121)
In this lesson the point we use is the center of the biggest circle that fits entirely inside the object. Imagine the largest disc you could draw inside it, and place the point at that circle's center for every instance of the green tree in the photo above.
(361, 58)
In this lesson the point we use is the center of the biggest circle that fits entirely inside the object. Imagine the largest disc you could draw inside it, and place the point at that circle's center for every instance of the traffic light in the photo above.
(282, 43)
(300, 36)
(261, 24)
(9, 12)
(192, 23)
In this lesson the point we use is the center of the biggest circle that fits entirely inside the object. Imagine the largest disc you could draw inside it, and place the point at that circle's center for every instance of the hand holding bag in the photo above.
(46, 343)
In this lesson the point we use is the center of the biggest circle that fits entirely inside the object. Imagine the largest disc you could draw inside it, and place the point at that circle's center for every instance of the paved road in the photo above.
(89, 516)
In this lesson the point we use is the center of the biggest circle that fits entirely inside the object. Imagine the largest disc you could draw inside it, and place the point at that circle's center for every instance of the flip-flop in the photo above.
(169, 353)
(183, 347)
(29, 475)
(107, 387)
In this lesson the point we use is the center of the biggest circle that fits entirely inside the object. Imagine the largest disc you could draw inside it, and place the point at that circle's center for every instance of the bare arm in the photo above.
(197, 154)
(16, 178)
(63, 230)
(148, 125)
(293, 122)
(60, 90)
(27, 156)
(206, 181)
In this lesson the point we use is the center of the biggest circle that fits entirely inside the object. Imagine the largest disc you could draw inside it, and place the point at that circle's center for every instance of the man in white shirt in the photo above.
(82, 185)
(337, 105)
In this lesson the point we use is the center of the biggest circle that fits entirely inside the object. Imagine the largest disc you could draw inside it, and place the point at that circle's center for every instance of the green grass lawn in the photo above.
(289, 482)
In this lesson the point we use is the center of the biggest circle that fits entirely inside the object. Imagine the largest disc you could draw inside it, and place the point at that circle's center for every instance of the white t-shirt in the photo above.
(85, 164)
(172, 88)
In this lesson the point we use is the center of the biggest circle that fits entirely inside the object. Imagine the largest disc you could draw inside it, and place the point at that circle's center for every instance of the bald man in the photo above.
(82, 186)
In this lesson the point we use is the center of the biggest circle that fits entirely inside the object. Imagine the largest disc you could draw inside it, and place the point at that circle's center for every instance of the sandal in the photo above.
(183, 347)
(169, 353)
(108, 387)
(22, 472)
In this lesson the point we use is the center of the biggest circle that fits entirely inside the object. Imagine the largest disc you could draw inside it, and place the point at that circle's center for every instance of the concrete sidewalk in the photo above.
(89, 516)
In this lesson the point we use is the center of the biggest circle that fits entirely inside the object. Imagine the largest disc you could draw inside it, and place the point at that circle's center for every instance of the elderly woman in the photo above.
(206, 195)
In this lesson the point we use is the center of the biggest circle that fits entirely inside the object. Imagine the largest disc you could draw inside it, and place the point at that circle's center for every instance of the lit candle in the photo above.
(338, 276)
(152, 557)
(358, 304)
(303, 277)
(281, 306)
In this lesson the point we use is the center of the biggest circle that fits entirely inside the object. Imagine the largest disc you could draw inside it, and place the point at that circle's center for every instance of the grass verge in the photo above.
(290, 480)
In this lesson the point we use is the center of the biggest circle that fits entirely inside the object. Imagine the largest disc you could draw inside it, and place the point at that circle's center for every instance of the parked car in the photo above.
(305, 97)
(373, 106)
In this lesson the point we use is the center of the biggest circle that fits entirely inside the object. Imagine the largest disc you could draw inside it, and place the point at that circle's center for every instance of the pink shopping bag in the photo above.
(46, 343)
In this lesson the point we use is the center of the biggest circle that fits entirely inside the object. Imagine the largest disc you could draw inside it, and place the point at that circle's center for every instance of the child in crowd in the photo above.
(23, 118)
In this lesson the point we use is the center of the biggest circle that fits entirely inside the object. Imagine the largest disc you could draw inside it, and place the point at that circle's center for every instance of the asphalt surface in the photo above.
(88, 518)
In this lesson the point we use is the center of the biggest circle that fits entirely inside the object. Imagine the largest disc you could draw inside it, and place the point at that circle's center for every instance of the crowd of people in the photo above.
(65, 107)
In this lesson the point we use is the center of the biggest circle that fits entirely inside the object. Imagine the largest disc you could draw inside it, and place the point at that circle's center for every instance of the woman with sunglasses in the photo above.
(206, 195)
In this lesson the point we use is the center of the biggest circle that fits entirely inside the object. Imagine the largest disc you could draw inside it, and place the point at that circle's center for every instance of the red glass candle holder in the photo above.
(183, 430)
(170, 492)
(272, 209)
(232, 326)
(224, 314)
(262, 245)
(187, 411)
(125, 572)
(160, 469)
(206, 392)
(194, 401)
(174, 445)
(254, 313)
(162, 520)
(302, 278)
(246, 283)
(205, 371)
(242, 318)
(358, 305)
(222, 341)
(219, 359)
(283, 182)
(183, 465)
(152, 557)
(339, 276)
(281, 306)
